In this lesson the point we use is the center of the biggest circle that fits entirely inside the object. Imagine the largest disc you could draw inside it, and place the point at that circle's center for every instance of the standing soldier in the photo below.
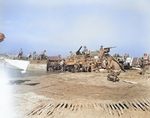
(144, 63)
(61, 65)
(85, 51)
(72, 54)
(20, 54)
(42, 54)
(125, 57)
(29, 56)
(102, 51)
(149, 57)
(34, 55)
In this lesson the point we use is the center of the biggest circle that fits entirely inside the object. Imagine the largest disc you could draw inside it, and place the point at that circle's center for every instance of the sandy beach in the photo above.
(72, 95)
(75, 59)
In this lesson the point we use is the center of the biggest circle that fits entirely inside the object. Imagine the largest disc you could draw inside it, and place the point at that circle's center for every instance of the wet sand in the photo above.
(72, 95)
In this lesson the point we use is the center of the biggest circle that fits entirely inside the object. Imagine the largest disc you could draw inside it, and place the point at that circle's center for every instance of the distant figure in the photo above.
(149, 57)
(72, 54)
(34, 55)
(42, 54)
(125, 57)
(102, 51)
(145, 58)
(29, 56)
(144, 63)
(62, 65)
(20, 54)
(85, 51)
(2, 36)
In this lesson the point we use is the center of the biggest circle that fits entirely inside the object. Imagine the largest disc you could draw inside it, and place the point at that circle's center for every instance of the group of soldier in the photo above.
(104, 61)
(34, 56)
(107, 62)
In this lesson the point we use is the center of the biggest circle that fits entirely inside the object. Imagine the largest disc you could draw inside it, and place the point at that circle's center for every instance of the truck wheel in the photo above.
(129, 66)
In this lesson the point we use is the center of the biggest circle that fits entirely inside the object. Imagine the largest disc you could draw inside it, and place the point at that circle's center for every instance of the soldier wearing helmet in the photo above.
(72, 54)
(145, 59)
(102, 51)
(42, 54)
(2, 36)
(20, 54)
(144, 63)
(85, 51)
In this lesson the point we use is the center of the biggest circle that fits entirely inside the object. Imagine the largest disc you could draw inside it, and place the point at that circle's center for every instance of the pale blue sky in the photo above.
(61, 26)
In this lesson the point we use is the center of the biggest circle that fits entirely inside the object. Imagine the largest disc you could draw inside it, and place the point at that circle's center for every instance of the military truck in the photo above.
(53, 63)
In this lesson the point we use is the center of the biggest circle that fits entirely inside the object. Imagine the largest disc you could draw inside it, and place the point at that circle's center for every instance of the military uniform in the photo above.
(102, 51)
(42, 54)
(29, 56)
(116, 70)
(34, 56)
(85, 51)
(72, 54)
(20, 53)
(144, 64)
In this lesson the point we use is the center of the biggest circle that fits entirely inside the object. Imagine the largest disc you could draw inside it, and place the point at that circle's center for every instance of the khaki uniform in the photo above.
(42, 54)
(35, 56)
(20, 53)
(101, 54)
(144, 64)
(115, 72)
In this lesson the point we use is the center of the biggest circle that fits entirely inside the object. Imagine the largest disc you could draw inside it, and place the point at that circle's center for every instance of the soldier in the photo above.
(2, 36)
(93, 65)
(20, 54)
(86, 66)
(112, 63)
(103, 62)
(42, 54)
(62, 65)
(35, 55)
(85, 51)
(29, 56)
(144, 63)
(77, 66)
(102, 51)
(72, 54)
(125, 57)
(149, 57)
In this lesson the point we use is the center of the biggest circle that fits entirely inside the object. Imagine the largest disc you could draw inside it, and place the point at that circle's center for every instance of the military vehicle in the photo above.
(83, 62)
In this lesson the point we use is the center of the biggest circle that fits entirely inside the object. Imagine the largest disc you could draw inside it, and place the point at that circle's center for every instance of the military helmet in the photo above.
(2, 36)
(145, 54)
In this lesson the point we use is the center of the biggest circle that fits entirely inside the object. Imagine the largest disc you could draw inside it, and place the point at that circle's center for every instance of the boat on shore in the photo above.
(28, 65)
(21, 64)
(33, 65)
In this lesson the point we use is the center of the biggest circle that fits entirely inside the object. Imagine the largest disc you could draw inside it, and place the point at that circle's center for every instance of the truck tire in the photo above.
(129, 66)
